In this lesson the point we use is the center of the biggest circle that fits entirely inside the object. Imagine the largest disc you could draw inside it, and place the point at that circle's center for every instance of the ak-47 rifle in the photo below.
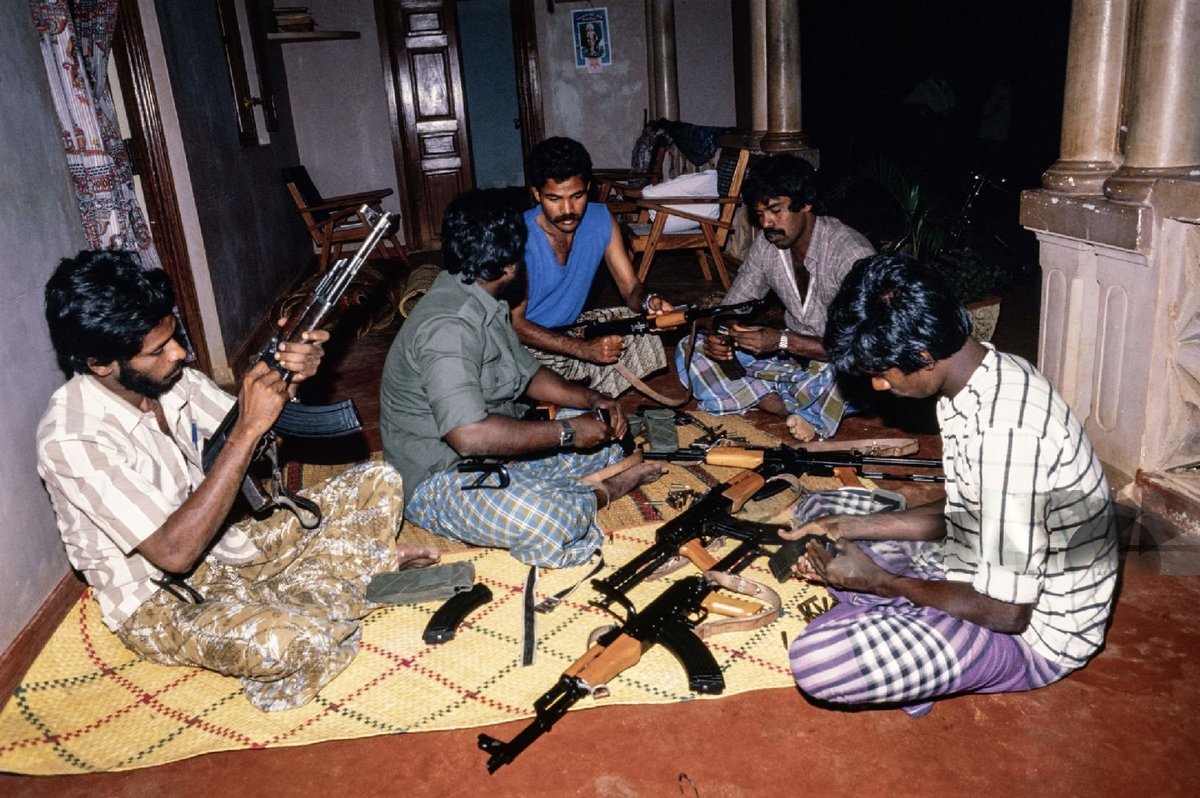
(644, 323)
(303, 421)
(687, 534)
(796, 460)
(670, 619)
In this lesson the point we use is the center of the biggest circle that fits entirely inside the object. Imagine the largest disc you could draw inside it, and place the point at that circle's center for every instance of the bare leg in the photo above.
(412, 556)
(620, 484)
(773, 403)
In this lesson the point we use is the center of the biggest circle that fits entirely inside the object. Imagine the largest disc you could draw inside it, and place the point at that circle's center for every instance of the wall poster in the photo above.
(593, 49)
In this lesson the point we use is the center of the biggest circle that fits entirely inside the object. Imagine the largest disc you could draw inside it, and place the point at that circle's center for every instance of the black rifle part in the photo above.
(677, 317)
(795, 460)
(785, 557)
(323, 422)
(669, 619)
(444, 623)
(485, 469)
(689, 525)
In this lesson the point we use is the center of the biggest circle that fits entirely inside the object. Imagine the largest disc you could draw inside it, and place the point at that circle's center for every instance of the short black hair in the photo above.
(559, 158)
(482, 233)
(101, 305)
(889, 310)
(780, 175)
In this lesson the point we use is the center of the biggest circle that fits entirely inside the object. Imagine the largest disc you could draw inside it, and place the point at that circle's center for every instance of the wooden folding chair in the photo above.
(620, 189)
(706, 237)
(335, 222)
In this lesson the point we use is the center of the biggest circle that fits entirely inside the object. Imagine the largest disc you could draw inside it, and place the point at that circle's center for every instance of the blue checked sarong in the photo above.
(810, 392)
(545, 517)
(887, 651)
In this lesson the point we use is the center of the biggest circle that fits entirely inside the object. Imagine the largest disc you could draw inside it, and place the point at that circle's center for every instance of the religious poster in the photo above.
(593, 49)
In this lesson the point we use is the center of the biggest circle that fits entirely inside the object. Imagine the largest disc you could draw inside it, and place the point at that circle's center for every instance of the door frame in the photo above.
(150, 152)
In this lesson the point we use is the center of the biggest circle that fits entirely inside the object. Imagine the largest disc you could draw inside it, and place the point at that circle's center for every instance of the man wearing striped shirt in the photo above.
(119, 449)
(1007, 584)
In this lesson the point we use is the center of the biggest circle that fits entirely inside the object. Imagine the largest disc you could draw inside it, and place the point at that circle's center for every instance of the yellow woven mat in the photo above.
(88, 704)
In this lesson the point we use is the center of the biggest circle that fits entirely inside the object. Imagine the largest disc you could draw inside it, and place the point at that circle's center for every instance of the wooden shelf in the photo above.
(312, 35)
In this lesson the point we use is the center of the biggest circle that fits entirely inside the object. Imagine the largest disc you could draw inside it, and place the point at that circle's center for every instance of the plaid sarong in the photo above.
(642, 355)
(887, 651)
(808, 390)
(288, 621)
(545, 516)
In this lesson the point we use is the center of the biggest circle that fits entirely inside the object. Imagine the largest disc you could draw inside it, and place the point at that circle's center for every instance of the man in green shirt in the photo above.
(450, 391)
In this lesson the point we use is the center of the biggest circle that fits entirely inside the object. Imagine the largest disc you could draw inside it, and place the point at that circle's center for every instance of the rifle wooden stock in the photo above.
(668, 620)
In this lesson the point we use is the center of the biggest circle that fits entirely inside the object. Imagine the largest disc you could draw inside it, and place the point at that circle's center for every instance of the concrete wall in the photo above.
(39, 225)
(339, 105)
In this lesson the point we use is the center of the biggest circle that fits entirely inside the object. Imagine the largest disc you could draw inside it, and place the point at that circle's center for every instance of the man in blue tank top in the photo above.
(568, 238)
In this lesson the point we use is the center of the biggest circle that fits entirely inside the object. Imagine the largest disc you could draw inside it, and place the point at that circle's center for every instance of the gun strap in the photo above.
(642, 388)
(746, 587)
(529, 618)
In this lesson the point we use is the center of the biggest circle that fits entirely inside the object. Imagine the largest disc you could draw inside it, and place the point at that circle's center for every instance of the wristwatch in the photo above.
(646, 301)
(566, 435)
(783, 341)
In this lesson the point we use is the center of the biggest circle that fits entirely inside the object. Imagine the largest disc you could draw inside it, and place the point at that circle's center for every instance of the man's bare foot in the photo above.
(801, 430)
(620, 484)
(416, 556)
(773, 403)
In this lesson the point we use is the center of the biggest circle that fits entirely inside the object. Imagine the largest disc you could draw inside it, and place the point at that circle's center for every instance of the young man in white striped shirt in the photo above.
(1007, 584)
(119, 448)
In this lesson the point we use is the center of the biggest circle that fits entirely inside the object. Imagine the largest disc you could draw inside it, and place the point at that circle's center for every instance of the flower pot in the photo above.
(984, 315)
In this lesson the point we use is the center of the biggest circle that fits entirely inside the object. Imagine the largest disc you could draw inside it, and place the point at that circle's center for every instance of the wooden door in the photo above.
(429, 123)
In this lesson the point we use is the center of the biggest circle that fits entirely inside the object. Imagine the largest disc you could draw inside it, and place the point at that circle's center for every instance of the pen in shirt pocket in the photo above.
(195, 437)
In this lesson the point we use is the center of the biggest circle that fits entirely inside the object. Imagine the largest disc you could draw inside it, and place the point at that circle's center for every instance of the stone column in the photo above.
(758, 64)
(1164, 99)
(664, 74)
(783, 77)
(1096, 55)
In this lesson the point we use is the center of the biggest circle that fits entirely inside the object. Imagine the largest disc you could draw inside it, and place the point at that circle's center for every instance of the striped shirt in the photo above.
(833, 250)
(1028, 510)
(114, 478)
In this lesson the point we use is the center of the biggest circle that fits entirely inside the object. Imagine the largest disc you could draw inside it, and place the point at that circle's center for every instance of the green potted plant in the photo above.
(905, 213)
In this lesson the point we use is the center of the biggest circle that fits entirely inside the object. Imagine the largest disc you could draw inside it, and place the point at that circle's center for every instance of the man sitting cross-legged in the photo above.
(450, 391)
(119, 449)
(801, 258)
(568, 238)
(1005, 585)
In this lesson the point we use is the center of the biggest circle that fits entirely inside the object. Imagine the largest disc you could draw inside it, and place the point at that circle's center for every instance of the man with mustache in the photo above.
(451, 386)
(119, 448)
(568, 237)
(802, 258)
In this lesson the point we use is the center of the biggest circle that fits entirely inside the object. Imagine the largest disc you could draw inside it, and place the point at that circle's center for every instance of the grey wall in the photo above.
(39, 225)
(339, 104)
(604, 110)
(256, 244)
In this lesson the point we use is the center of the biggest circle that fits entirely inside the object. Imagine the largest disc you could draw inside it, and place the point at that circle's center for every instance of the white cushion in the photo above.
(699, 184)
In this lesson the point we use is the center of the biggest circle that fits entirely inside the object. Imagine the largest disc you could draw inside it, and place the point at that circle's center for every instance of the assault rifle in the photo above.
(687, 534)
(645, 323)
(670, 619)
(302, 421)
(796, 460)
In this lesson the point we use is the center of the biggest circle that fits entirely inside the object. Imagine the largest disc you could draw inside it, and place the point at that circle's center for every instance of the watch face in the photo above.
(567, 436)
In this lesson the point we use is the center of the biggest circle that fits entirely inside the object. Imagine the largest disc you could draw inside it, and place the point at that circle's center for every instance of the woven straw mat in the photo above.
(88, 704)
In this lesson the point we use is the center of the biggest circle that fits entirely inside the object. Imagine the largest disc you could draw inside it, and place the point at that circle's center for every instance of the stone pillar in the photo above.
(782, 29)
(1164, 99)
(1096, 51)
(664, 74)
(758, 64)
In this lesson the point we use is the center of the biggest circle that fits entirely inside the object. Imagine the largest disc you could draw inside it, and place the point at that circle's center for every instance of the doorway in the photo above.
(490, 82)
